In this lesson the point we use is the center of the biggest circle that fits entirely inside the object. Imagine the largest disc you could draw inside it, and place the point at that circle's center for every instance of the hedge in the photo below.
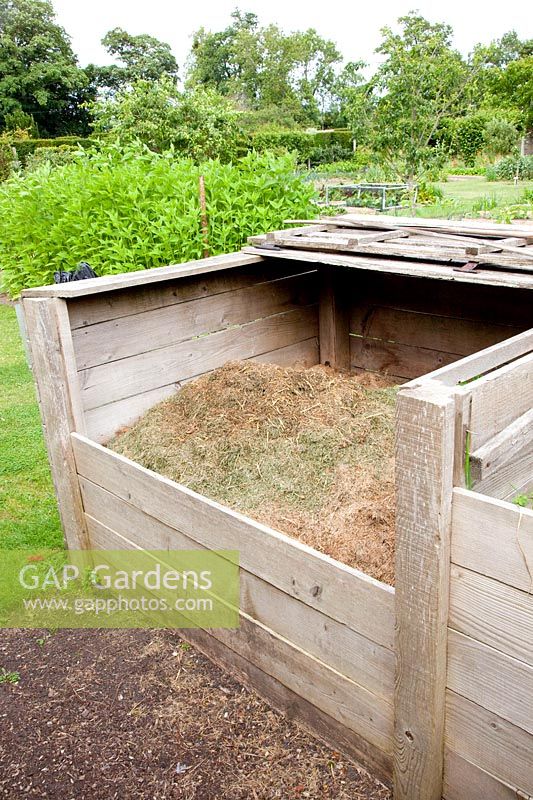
(26, 147)
(309, 146)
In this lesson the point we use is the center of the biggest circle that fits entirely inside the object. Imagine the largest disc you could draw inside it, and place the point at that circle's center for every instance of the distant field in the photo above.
(473, 188)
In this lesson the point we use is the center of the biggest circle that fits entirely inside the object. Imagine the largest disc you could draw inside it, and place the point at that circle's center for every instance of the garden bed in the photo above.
(306, 451)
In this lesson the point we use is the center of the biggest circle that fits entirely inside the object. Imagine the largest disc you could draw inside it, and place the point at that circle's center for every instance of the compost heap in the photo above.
(306, 451)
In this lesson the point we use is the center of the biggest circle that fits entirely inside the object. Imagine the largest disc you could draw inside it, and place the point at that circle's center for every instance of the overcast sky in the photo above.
(354, 26)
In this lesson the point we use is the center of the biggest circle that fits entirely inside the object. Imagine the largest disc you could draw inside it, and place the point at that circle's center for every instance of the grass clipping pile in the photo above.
(307, 451)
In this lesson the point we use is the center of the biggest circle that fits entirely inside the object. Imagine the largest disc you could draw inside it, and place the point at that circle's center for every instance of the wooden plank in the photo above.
(334, 319)
(352, 655)
(467, 227)
(107, 383)
(424, 479)
(491, 612)
(329, 691)
(499, 683)
(59, 403)
(478, 364)
(141, 277)
(145, 331)
(493, 537)
(511, 478)
(298, 570)
(415, 269)
(398, 360)
(103, 422)
(489, 742)
(338, 243)
(499, 398)
(460, 773)
(294, 706)
(443, 333)
(97, 308)
(498, 450)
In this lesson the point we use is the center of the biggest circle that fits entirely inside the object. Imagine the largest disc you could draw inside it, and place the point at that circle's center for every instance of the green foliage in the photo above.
(131, 209)
(469, 136)
(510, 167)
(262, 67)
(9, 677)
(19, 120)
(429, 192)
(40, 75)
(26, 147)
(199, 124)
(523, 500)
(51, 156)
(317, 147)
(500, 137)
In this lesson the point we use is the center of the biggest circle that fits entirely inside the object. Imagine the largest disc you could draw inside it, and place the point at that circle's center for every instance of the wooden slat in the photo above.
(130, 376)
(424, 479)
(493, 537)
(489, 742)
(138, 333)
(460, 773)
(141, 277)
(499, 398)
(291, 566)
(398, 360)
(329, 691)
(415, 269)
(491, 612)
(499, 683)
(334, 319)
(466, 227)
(103, 422)
(94, 309)
(436, 332)
(60, 406)
(512, 478)
(491, 358)
(294, 706)
(497, 451)
(368, 664)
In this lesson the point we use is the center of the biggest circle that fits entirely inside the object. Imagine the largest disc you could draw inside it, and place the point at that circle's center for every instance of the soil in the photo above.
(306, 451)
(105, 715)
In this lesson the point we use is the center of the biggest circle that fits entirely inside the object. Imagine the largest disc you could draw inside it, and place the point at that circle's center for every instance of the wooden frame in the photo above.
(378, 673)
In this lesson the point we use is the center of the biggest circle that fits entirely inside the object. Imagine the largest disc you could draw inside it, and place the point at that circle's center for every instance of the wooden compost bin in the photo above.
(430, 685)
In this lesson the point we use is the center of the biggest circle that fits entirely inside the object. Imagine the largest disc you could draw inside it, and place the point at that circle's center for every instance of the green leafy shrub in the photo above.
(510, 167)
(500, 138)
(26, 147)
(53, 156)
(316, 147)
(129, 209)
(469, 136)
(429, 193)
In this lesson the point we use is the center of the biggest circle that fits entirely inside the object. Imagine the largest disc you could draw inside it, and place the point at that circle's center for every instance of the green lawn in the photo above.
(28, 510)
(477, 196)
(472, 189)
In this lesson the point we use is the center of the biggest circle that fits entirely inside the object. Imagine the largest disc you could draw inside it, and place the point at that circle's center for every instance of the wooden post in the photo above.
(55, 375)
(203, 215)
(426, 417)
(334, 318)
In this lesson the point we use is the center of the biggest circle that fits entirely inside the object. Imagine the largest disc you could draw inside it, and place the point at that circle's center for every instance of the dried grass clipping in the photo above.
(306, 451)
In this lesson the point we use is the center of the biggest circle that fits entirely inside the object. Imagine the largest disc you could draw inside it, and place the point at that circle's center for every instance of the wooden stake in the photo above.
(203, 210)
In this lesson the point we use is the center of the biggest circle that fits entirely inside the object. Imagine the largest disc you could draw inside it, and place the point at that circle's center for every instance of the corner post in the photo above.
(426, 420)
(334, 318)
(58, 393)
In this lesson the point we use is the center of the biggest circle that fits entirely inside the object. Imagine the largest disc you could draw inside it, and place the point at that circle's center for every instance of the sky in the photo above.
(353, 26)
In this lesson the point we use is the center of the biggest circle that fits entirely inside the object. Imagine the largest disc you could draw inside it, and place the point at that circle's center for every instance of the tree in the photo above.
(421, 80)
(39, 74)
(262, 67)
(198, 123)
(143, 57)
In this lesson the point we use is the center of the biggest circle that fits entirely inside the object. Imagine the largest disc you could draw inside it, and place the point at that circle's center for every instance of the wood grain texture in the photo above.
(424, 480)
(500, 449)
(399, 360)
(489, 742)
(149, 330)
(499, 683)
(465, 781)
(60, 406)
(103, 422)
(492, 613)
(334, 319)
(368, 664)
(294, 568)
(141, 277)
(346, 701)
(108, 383)
(512, 478)
(493, 537)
